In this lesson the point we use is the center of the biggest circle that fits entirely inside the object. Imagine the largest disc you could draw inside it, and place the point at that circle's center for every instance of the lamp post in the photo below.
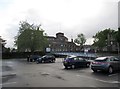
(118, 47)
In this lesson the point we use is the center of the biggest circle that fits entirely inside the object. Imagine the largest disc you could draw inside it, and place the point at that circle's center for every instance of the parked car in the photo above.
(74, 61)
(46, 58)
(108, 63)
(34, 57)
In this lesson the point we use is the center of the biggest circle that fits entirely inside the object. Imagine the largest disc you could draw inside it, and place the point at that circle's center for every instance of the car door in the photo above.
(116, 63)
(45, 58)
(112, 62)
(48, 58)
(76, 61)
(81, 61)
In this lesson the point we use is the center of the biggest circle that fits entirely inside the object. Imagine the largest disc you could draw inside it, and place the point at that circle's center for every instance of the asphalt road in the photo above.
(20, 73)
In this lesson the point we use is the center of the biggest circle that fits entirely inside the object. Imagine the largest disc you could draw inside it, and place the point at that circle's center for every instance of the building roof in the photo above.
(59, 33)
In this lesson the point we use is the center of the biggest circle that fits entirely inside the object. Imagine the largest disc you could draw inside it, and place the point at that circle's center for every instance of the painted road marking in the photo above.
(112, 74)
(94, 87)
(98, 79)
(10, 74)
(8, 83)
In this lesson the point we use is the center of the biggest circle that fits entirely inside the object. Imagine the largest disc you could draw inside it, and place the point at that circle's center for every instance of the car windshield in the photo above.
(118, 57)
(48, 56)
(69, 58)
(101, 59)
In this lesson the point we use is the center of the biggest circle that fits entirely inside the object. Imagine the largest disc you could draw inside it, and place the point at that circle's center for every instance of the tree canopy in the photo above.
(118, 36)
(30, 37)
(103, 38)
(80, 39)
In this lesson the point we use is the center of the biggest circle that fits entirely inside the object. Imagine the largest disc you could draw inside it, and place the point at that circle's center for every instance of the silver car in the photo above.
(108, 63)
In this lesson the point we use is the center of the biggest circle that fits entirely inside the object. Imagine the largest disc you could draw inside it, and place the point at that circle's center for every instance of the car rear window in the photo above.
(118, 57)
(101, 59)
(69, 59)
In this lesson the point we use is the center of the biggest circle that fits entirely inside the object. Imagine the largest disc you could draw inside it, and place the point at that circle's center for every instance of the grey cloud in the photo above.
(119, 14)
(108, 18)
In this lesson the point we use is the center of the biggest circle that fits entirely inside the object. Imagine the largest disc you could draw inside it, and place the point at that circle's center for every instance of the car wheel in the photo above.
(53, 61)
(42, 61)
(66, 67)
(110, 70)
(73, 66)
(37, 62)
(94, 70)
(87, 65)
(31, 60)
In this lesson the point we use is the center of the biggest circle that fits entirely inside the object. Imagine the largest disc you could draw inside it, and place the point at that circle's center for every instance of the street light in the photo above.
(118, 47)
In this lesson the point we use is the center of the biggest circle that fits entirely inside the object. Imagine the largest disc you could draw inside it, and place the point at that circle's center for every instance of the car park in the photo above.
(46, 58)
(75, 61)
(108, 63)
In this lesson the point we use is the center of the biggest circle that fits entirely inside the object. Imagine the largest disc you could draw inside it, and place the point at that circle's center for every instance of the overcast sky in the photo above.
(68, 16)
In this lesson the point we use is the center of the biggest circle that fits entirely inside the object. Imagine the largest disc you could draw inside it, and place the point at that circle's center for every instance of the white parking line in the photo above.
(98, 79)
(95, 87)
(9, 74)
(115, 82)
(112, 74)
(8, 83)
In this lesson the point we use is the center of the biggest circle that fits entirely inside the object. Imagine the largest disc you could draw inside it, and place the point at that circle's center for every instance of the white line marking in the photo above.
(11, 65)
(112, 75)
(10, 74)
(98, 79)
(8, 83)
(93, 86)
(115, 82)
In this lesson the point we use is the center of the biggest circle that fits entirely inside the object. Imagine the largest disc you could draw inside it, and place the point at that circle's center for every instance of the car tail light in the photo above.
(94, 62)
(104, 63)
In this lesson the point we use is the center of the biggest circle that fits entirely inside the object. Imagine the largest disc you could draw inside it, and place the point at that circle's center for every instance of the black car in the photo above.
(34, 57)
(46, 58)
(74, 61)
(108, 63)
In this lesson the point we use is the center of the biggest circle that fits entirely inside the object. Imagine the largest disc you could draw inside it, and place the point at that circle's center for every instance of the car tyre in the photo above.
(37, 62)
(73, 66)
(94, 70)
(87, 65)
(53, 61)
(110, 70)
(66, 67)
(31, 60)
(42, 61)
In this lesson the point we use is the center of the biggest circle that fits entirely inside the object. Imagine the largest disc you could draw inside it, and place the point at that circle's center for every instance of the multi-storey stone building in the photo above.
(60, 43)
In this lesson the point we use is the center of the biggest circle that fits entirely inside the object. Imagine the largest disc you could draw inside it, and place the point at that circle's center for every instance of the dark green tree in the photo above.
(30, 38)
(118, 35)
(80, 39)
(103, 38)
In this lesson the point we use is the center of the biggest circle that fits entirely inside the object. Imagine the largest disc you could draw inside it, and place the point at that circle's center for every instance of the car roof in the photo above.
(48, 55)
(100, 58)
(71, 56)
(104, 57)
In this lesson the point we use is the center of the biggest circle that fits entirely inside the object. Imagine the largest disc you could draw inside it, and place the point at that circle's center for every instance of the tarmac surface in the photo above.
(20, 73)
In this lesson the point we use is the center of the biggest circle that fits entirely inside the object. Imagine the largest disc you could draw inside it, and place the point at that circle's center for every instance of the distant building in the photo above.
(2, 45)
(60, 43)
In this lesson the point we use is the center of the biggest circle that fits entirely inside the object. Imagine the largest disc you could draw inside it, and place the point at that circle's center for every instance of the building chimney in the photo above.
(71, 40)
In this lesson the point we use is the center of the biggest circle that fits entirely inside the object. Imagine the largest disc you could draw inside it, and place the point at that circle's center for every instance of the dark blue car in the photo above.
(46, 58)
(74, 62)
(34, 57)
